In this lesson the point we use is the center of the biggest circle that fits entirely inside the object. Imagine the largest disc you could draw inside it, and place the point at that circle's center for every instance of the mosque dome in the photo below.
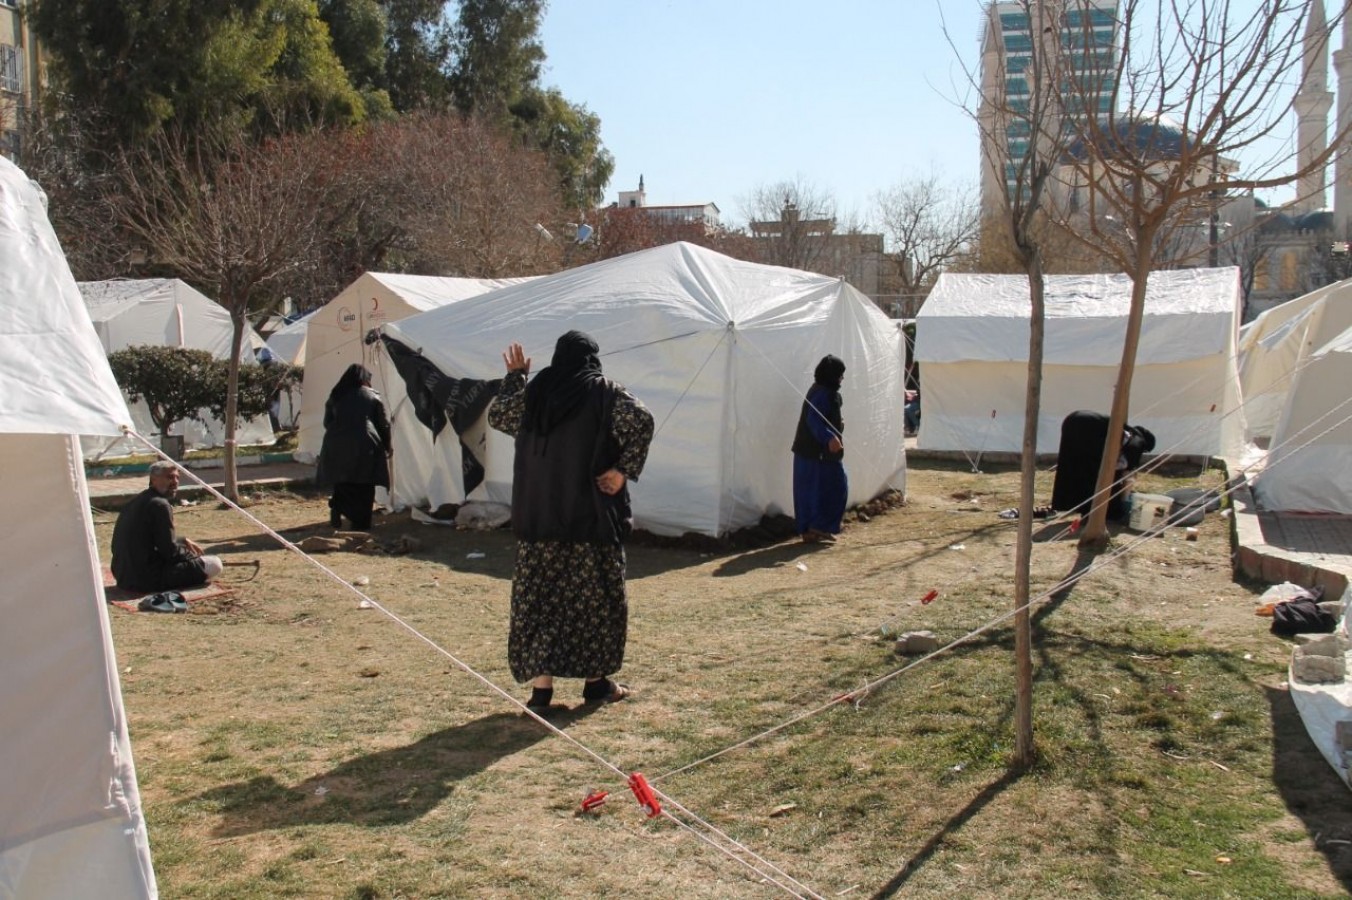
(1319, 220)
(1134, 137)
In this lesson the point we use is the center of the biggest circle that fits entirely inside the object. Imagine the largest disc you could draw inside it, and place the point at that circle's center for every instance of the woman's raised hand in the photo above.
(516, 359)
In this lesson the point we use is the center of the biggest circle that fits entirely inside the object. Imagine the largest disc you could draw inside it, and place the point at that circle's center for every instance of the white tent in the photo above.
(1274, 346)
(287, 343)
(70, 812)
(1311, 449)
(972, 348)
(721, 351)
(165, 312)
(336, 332)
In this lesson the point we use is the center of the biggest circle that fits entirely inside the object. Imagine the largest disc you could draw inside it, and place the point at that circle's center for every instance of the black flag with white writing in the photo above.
(438, 398)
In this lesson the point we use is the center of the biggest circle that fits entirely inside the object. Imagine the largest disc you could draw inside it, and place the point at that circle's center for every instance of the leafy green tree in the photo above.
(176, 383)
(498, 60)
(257, 386)
(357, 29)
(498, 55)
(417, 54)
(570, 135)
(129, 69)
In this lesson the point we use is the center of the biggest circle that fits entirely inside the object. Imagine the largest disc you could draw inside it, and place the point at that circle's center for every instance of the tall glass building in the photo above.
(1082, 35)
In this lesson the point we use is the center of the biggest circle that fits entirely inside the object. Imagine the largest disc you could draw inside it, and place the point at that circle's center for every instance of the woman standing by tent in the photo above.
(580, 439)
(354, 457)
(819, 483)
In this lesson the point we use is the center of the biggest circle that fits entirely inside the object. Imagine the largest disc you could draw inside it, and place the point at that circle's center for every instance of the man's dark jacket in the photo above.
(146, 554)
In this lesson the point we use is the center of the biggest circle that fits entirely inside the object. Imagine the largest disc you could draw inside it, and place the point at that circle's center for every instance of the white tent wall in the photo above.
(70, 814)
(1311, 450)
(70, 820)
(720, 351)
(166, 312)
(1275, 345)
(336, 332)
(972, 348)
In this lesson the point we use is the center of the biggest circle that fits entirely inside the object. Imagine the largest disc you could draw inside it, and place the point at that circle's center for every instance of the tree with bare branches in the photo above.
(793, 220)
(1021, 173)
(1200, 84)
(928, 225)
(231, 216)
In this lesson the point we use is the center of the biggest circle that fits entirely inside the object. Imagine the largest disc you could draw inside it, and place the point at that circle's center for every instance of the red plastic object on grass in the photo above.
(929, 598)
(644, 794)
(595, 800)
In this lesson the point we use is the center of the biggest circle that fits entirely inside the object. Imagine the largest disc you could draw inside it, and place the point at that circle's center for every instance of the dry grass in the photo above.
(291, 744)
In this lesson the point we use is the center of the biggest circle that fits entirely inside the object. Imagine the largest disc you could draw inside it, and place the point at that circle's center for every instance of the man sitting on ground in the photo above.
(146, 554)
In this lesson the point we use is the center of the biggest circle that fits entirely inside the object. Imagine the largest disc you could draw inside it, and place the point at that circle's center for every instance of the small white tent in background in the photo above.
(165, 312)
(288, 342)
(721, 351)
(1310, 454)
(287, 345)
(335, 336)
(1274, 346)
(972, 349)
(70, 810)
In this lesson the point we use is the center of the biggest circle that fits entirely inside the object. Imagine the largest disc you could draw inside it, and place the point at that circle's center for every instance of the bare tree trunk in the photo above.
(232, 401)
(1095, 534)
(1024, 750)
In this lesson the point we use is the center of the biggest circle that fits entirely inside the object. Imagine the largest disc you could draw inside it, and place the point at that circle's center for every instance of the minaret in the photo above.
(990, 122)
(1342, 171)
(1313, 102)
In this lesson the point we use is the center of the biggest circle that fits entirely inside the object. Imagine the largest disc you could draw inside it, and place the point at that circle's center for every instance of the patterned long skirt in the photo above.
(569, 614)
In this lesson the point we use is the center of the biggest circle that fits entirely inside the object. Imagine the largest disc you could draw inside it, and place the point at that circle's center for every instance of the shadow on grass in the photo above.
(766, 558)
(1312, 791)
(390, 787)
(937, 840)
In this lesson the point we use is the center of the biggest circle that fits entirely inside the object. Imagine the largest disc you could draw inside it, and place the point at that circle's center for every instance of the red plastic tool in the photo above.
(594, 800)
(644, 794)
(929, 598)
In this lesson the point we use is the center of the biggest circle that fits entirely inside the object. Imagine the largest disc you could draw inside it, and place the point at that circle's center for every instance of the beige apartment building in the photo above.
(20, 74)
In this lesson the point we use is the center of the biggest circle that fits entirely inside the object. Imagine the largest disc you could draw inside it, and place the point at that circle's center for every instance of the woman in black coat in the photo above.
(354, 458)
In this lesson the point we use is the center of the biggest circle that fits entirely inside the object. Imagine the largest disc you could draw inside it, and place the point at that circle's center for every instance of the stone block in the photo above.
(917, 643)
(1310, 669)
(1321, 645)
(1343, 732)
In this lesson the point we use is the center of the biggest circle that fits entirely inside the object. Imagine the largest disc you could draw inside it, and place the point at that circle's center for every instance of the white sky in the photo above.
(709, 99)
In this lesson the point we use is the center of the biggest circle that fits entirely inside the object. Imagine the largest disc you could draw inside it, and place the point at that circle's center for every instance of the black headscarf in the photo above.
(558, 390)
(355, 377)
(829, 372)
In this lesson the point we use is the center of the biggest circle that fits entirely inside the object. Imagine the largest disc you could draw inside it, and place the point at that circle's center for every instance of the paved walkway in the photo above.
(1308, 550)
(110, 491)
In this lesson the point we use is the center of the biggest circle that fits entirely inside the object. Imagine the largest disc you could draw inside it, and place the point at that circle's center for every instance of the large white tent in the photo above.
(70, 812)
(1274, 347)
(721, 351)
(335, 334)
(972, 349)
(166, 312)
(1310, 453)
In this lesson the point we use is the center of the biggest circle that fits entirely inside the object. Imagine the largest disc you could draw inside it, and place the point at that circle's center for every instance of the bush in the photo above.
(175, 383)
(258, 384)
(179, 384)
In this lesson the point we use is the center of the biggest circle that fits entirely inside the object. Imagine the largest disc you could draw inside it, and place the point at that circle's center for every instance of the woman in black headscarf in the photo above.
(356, 448)
(580, 439)
(819, 483)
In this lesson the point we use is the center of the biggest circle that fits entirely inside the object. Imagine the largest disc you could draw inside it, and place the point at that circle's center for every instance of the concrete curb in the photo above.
(1256, 558)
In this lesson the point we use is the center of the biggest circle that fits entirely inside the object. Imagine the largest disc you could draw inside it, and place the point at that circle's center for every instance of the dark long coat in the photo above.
(356, 440)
